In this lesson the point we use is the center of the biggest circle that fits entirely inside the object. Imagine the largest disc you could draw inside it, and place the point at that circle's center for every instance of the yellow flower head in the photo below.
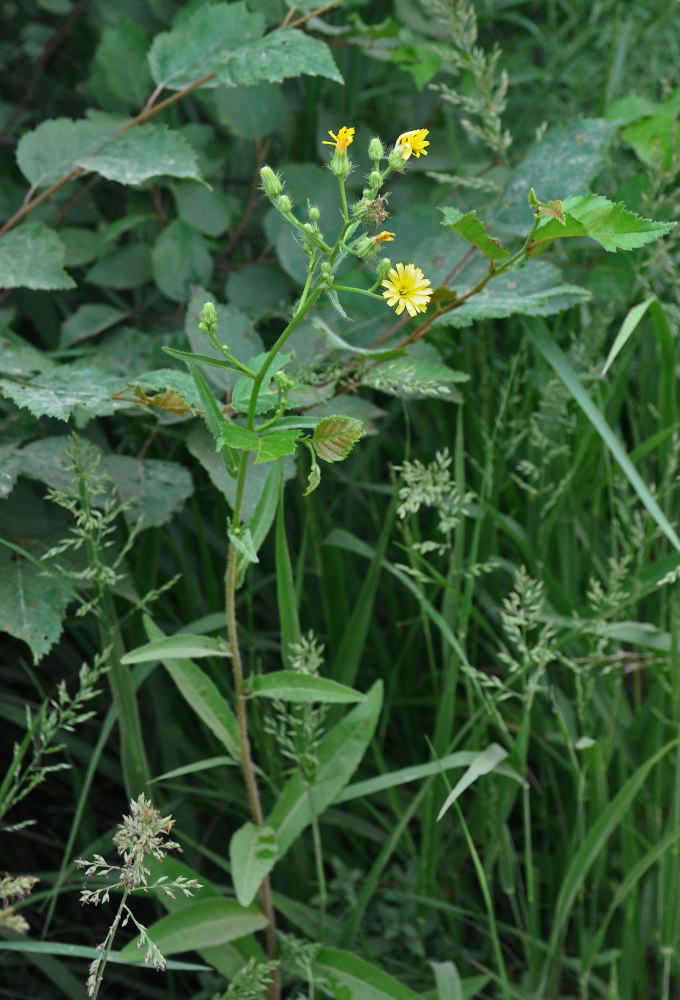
(413, 142)
(406, 288)
(342, 140)
(384, 237)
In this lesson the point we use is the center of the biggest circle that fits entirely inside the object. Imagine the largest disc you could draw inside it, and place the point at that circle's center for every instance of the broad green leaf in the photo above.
(121, 58)
(252, 853)
(11, 461)
(175, 647)
(289, 685)
(210, 212)
(544, 343)
(180, 258)
(201, 924)
(32, 256)
(567, 157)
(412, 378)
(200, 43)
(64, 390)
(338, 754)
(153, 489)
(535, 290)
(485, 761)
(201, 694)
(472, 229)
(89, 320)
(82, 245)
(60, 145)
(125, 267)
(252, 113)
(32, 603)
(654, 140)
(334, 437)
(18, 358)
(575, 872)
(610, 225)
(236, 436)
(276, 57)
(349, 977)
(276, 444)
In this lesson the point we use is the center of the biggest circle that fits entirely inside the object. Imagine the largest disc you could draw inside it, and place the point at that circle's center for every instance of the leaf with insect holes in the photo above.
(335, 437)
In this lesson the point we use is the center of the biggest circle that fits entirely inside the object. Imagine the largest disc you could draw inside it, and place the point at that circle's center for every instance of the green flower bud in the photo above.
(383, 268)
(271, 185)
(397, 161)
(314, 213)
(284, 204)
(375, 179)
(340, 164)
(208, 323)
(365, 247)
(376, 150)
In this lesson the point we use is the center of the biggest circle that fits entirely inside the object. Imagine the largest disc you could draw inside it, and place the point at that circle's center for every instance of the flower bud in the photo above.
(340, 164)
(284, 204)
(208, 323)
(365, 247)
(383, 268)
(375, 179)
(376, 150)
(271, 185)
(397, 161)
(314, 213)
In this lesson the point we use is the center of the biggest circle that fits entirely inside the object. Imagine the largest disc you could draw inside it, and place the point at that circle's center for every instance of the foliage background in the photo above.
(543, 617)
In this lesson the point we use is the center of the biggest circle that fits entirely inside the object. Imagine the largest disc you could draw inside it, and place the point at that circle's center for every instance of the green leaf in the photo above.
(121, 58)
(128, 266)
(269, 396)
(286, 591)
(338, 755)
(180, 258)
(535, 290)
(11, 461)
(447, 978)
(60, 145)
(471, 228)
(61, 391)
(568, 157)
(349, 977)
(281, 54)
(626, 331)
(174, 647)
(210, 212)
(252, 853)
(32, 603)
(199, 925)
(242, 541)
(153, 489)
(412, 378)
(233, 328)
(204, 359)
(201, 694)
(485, 761)
(235, 436)
(610, 225)
(334, 437)
(201, 42)
(276, 444)
(87, 321)
(262, 516)
(290, 685)
(380, 353)
(32, 256)
(18, 358)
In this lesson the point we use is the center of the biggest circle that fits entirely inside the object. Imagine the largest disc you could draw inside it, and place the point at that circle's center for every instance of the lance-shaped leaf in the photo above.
(32, 256)
(252, 853)
(352, 978)
(338, 755)
(174, 647)
(60, 145)
(334, 437)
(412, 377)
(471, 229)
(199, 925)
(612, 225)
(289, 685)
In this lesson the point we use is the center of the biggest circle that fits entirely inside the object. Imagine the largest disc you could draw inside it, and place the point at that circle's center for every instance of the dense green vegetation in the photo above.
(381, 608)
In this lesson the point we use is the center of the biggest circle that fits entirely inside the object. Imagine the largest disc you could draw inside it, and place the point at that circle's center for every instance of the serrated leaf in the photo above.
(334, 437)
(611, 225)
(235, 436)
(276, 444)
(174, 647)
(201, 694)
(198, 925)
(32, 604)
(338, 755)
(289, 685)
(59, 145)
(203, 41)
(152, 490)
(121, 57)
(268, 396)
(32, 256)
(471, 229)
(276, 57)
(19, 358)
(62, 390)
(252, 853)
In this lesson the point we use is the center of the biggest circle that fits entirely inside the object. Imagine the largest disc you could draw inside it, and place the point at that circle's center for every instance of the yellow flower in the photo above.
(407, 286)
(384, 237)
(413, 142)
(341, 140)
